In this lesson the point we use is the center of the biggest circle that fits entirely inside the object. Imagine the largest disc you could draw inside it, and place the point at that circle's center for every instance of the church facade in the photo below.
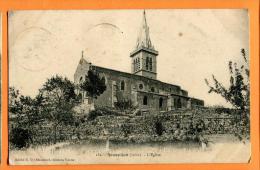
(141, 86)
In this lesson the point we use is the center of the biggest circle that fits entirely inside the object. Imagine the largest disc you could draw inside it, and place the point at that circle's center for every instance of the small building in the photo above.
(141, 85)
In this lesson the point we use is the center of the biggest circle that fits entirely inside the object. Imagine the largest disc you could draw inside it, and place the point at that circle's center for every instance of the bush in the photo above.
(124, 104)
(93, 114)
(102, 112)
(200, 126)
(159, 128)
(20, 137)
(126, 129)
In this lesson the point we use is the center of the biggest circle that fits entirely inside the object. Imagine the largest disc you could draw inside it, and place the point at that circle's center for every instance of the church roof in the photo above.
(121, 73)
(143, 40)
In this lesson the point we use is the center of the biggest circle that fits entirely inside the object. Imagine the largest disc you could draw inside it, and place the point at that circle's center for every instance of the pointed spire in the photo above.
(143, 39)
(82, 54)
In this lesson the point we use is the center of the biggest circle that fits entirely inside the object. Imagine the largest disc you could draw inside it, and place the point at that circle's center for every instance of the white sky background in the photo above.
(192, 45)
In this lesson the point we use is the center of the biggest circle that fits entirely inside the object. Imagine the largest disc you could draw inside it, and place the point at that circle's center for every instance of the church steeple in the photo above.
(143, 39)
(144, 60)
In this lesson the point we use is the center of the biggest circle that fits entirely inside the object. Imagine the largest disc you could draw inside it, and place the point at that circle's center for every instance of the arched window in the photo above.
(160, 102)
(151, 64)
(104, 79)
(145, 100)
(81, 79)
(147, 63)
(122, 85)
(138, 64)
(152, 89)
(141, 86)
(179, 103)
(175, 103)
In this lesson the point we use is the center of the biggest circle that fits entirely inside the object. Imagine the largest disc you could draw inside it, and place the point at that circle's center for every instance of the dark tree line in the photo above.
(54, 103)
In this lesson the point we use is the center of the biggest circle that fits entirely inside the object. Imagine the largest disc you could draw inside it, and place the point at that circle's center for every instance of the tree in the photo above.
(238, 92)
(14, 101)
(93, 84)
(20, 137)
(27, 110)
(59, 99)
(24, 113)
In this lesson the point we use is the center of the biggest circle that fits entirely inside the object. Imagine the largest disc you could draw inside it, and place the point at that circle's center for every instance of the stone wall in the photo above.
(174, 124)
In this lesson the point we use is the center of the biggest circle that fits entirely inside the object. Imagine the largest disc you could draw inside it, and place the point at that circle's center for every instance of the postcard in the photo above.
(129, 86)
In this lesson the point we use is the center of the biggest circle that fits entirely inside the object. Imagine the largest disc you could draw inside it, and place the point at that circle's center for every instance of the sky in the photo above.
(193, 44)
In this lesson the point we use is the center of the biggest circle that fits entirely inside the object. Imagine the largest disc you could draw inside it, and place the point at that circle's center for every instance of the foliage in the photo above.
(59, 99)
(26, 109)
(159, 129)
(93, 114)
(53, 104)
(14, 95)
(200, 126)
(238, 92)
(102, 111)
(93, 84)
(20, 137)
(126, 129)
(242, 129)
(124, 104)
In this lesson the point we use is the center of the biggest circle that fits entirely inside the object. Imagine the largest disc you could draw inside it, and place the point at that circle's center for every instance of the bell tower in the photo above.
(144, 56)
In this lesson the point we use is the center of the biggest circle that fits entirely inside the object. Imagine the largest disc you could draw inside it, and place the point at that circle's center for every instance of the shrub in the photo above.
(124, 104)
(159, 128)
(20, 137)
(93, 114)
(126, 129)
(200, 126)
(102, 111)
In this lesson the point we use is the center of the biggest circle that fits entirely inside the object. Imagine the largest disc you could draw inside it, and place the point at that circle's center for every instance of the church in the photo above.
(141, 86)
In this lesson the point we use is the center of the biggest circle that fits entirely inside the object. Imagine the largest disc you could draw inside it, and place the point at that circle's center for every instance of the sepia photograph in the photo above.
(129, 86)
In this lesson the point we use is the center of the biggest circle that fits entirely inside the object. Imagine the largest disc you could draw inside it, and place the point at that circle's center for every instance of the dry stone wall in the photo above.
(173, 125)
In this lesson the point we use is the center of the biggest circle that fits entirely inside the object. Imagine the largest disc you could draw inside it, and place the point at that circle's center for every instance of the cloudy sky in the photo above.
(192, 44)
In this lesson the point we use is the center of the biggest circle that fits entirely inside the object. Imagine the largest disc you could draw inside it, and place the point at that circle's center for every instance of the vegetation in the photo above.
(238, 92)
(59, 100)
(25, 110)
(93, 85)
(124, 104)
(52, 107)
(20, 137)
(102, 111)
(159, 129)
(50, 114)
(53, 104)
(126, 129)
